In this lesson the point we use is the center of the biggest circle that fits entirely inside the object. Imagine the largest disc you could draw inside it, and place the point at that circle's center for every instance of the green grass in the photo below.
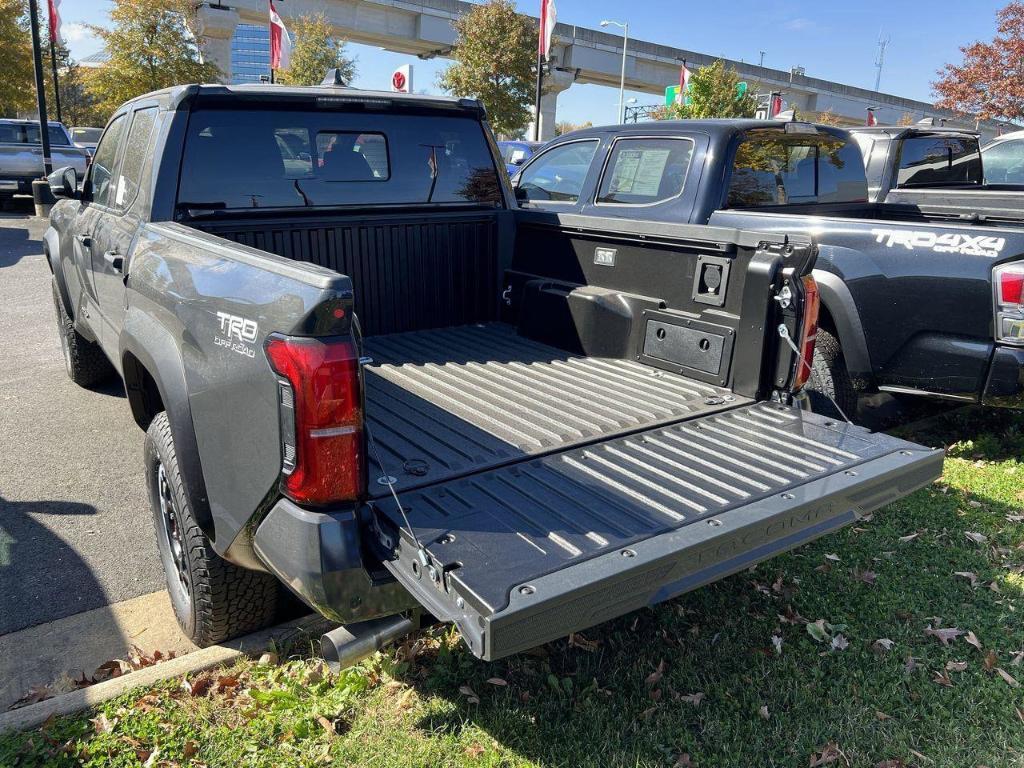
(564, 705)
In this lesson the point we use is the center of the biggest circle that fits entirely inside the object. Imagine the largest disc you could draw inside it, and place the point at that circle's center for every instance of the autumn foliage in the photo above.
(988, 84)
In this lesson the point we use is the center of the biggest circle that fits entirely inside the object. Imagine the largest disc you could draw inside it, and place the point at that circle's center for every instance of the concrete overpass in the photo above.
(423, 28)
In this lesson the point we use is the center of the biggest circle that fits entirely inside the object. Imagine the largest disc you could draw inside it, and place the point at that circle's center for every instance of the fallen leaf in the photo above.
(882, 716)
(911, 537)
(692, 698)
(102, 724)
(199, 685)
(882, 645)
(269, 659)
(1020, 713)
(972, 639)
(496, 681)
(189, 750)
(683, 761)
(971, 577)
(840, 643)
(977, 538)
(151, 760)
(470, 694)
(1015, 518)
(994, 586)
(910, 665)
(944, 636)
(915, 753)
(763, 712)
(1016, 660)
(816, 629)
(646, 714)
(777, 644)
(974, 504)
(327, 725)
(1010, 679)
(474, 750)
(655, 677)
(868, 577)
(956, 666)
(833, 557)
(942, 679)
(226, 683)
(579, 641)
(824, 755)
(990, 660)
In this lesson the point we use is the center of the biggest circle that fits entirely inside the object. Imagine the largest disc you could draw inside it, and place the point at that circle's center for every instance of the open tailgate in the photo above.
(525, 553)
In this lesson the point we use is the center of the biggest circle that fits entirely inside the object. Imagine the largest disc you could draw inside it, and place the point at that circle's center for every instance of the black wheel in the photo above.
(213, 600)
(85, 362)
(830, 377)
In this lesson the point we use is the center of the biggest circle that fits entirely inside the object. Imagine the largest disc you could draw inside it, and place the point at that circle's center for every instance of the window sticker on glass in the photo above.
(119, 197)
(639, 171)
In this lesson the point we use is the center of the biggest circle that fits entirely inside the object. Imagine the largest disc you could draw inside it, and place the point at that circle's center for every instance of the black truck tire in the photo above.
(830, 377)
(213, 600)
(85, 362)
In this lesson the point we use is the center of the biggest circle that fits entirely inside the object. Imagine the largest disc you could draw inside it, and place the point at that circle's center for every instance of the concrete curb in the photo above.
(74, 701)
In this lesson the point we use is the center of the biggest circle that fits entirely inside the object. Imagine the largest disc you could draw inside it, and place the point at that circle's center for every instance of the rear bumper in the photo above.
(1005, 385)
(319, 556)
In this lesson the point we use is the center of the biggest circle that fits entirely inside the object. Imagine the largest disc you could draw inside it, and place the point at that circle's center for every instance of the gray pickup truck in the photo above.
(21, 155)
(365, 375)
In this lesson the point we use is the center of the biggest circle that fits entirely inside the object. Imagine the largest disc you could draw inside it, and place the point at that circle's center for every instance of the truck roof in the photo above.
(723, 127)
(177, 95)
(902, 131)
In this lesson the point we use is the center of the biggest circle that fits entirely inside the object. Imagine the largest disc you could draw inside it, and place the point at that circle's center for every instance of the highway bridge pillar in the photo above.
(214, 27)
(557, 80)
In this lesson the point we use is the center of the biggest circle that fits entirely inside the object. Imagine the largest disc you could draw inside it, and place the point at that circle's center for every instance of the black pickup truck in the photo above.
(913, 300)
(364, 373)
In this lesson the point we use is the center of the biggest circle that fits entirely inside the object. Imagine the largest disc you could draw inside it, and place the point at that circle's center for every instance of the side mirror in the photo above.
(64, 183)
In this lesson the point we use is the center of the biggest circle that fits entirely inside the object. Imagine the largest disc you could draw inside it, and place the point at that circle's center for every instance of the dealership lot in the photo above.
(74, 523)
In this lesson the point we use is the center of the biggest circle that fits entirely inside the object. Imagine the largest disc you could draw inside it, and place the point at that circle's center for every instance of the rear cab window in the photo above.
(645, 171)
(237, 159)
(937, 160)
(15, 133)
(772, 167)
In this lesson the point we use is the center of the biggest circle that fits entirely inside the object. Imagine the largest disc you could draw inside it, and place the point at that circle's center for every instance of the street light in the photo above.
(625, 40)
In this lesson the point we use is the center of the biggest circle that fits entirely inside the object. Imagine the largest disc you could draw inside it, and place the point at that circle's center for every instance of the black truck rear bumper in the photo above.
(1005, 385)
(526, 553)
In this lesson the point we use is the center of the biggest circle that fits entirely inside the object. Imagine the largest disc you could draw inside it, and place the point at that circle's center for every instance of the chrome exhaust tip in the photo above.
(349, 644)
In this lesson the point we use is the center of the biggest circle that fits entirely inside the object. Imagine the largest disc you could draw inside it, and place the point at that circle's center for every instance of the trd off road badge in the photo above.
(238, 334)
(968, 245)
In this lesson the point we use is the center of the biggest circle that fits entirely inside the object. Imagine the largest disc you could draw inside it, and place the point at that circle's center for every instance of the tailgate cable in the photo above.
(386, 478)
(802, 396)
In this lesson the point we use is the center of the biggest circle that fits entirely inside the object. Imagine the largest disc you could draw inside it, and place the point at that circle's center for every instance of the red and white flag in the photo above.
(777, 105)
(684, 83)
(54, 8)
(280, 41)
(548, 17)
(871, 118)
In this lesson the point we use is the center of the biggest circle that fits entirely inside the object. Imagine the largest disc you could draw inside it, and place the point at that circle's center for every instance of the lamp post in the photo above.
(625, 41)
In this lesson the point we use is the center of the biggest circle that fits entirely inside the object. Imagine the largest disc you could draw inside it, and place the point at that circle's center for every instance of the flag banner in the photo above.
(54, 8)
(871, 118)
(548, 18)
(684, 83)
(280, 41)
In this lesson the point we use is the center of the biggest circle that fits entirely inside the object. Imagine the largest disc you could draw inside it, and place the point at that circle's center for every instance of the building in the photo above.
(250, 53)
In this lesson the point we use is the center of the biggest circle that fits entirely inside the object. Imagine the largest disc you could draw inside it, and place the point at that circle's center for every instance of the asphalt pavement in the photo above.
(75, 527)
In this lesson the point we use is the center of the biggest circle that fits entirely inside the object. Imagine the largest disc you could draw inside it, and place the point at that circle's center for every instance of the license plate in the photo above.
(4, 184)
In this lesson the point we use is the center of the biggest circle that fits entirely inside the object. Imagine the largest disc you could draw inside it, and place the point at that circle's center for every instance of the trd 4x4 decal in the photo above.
(968, 245)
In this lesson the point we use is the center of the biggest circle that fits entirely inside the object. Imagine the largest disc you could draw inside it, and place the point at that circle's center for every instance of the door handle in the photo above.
(84, 240)
(114, 259)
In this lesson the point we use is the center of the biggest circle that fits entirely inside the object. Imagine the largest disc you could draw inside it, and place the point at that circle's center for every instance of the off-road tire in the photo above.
(84, 361)
(829, 376)
(216, 600)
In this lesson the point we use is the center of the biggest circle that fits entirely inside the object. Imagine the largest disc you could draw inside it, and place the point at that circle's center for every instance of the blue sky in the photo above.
(835, 41)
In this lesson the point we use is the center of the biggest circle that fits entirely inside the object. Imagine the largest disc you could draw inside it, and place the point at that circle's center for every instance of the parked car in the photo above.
(86, 138)
(373, 380)
(515, 153)
(21, 155)
(1003, 159)
(914, 300)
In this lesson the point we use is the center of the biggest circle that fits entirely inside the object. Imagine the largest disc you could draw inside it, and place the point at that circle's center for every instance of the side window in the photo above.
(1004, 163)
(557, 174)
(135, 155)
(645, 171)
(101, 173)
(935, 160)
(776, 168)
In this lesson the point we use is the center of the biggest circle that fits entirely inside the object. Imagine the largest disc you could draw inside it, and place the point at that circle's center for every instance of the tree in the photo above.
(77, 104)
(828, 117)
(494, 56)
(17, 87)
(561, 128)
(712, 93)
(906, 119)
(150, 47)
(316, 50)
(989, 82)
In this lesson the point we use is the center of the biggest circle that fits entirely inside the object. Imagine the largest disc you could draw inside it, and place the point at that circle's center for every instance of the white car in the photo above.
(1003, 159)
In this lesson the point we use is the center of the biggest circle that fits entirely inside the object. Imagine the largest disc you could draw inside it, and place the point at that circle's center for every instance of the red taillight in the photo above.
(321, 418)
(808, 333)
(1011, 286)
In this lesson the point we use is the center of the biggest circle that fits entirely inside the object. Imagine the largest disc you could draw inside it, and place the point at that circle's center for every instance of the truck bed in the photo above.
(449, 402)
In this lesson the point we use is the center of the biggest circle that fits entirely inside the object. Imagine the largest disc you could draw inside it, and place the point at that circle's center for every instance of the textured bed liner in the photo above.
(449, 402)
